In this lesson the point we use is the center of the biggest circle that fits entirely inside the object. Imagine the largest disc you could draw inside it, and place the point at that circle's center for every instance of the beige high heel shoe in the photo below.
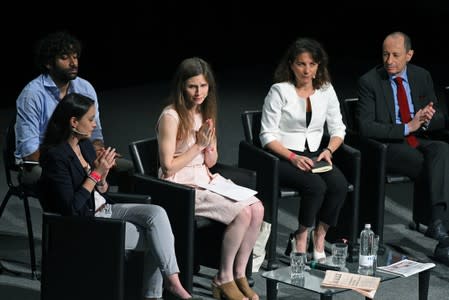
(244, 287)
(227, 291)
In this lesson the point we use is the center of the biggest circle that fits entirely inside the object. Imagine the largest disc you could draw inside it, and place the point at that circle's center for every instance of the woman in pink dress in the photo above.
(187, 149)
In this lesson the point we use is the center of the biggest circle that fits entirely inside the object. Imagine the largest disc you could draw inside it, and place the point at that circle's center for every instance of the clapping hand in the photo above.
(427, 113)
(105, 161)
(205, 135)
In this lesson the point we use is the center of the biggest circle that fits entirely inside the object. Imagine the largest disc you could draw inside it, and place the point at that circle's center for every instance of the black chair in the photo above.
(16, 188)
(253, 157)
(373, 174)
(85, 258)
(198, 239)
(375, 177)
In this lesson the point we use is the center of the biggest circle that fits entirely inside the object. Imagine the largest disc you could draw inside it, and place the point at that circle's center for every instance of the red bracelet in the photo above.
(95, 176)
(292, 155)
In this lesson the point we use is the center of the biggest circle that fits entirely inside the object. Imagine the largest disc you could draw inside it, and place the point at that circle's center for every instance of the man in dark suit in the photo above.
(397, 105)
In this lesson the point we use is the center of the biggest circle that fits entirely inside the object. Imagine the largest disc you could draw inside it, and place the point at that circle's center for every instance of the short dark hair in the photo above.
(54, 45)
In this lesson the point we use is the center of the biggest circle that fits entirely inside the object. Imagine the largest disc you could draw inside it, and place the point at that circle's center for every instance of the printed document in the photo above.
(365, 285)
(226, 187)
(406, 267)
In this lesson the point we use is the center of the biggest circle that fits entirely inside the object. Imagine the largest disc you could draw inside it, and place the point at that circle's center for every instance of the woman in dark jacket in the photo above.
(73, 183)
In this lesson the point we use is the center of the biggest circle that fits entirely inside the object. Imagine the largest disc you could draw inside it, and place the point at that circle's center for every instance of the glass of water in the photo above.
(297, 264)
(339, 254)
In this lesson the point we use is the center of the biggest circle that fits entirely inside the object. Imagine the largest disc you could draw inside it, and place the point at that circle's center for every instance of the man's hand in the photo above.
(417, 121)
(428, 112)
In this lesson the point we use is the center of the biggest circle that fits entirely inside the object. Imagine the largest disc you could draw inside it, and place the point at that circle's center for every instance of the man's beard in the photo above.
(65, 75)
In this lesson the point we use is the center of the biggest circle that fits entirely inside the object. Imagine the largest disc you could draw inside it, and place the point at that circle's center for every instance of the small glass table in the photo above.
(313, 278)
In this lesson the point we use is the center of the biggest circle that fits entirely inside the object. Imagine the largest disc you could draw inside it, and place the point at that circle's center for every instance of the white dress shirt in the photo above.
(284, 117)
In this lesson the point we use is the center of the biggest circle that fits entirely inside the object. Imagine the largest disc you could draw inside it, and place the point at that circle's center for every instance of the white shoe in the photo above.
(317, 256)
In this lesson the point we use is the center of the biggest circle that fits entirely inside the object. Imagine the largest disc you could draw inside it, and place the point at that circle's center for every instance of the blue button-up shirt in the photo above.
(396, 102)
(36, 104)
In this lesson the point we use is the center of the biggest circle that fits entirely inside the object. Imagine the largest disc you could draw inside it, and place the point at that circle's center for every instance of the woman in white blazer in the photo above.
(298, 106)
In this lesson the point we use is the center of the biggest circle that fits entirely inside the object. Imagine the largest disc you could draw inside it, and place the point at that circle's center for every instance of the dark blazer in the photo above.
(375, 111)
(61, 184)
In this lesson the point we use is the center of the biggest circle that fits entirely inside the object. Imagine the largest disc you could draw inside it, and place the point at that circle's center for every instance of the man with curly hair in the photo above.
(57, 57)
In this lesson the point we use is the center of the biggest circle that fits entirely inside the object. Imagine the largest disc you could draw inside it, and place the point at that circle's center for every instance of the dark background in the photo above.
(138, 42)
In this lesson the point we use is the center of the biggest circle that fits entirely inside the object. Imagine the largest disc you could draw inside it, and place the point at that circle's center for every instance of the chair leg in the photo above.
(2, 208)
(272, 263)
(249, 270)
(30, 237)
(4, 202)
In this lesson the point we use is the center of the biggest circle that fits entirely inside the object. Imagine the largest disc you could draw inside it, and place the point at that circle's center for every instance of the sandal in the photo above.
(244, 287)
(228, 291)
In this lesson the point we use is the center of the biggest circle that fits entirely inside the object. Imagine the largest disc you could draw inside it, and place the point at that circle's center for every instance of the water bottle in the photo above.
(366, 256)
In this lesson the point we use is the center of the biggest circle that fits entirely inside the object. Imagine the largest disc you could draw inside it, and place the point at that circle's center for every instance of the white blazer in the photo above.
(284, 117)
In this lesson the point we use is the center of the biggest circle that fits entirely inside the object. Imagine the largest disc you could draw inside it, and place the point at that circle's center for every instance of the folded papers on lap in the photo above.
(227, 188)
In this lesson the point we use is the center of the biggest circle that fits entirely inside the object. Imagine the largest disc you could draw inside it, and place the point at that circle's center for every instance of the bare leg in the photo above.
(301, 239)
(320, 234)
(232, 239)
(175, 287)
(249, 239)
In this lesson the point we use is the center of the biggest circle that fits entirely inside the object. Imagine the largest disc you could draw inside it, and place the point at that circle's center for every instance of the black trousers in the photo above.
(322, 194)
(428, 166)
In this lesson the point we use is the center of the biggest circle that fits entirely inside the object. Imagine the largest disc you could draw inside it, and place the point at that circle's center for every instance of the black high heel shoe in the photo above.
(290, 240)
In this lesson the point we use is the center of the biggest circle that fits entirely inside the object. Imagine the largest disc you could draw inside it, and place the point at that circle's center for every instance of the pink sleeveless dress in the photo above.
(207, 203)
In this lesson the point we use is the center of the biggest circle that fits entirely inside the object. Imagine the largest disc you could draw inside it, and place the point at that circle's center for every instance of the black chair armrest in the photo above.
(373, 183)
(348, 160)
(68, 249)
(29, 163)
(374, 157)
(179, 202)
(129, 198)
(441, 135)
(266, 166)
(240, 176)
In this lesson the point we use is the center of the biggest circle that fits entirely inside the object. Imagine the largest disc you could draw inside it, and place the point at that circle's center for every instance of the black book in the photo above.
(320, 166)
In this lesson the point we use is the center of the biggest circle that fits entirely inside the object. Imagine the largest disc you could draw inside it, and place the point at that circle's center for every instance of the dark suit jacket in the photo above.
(375, 112)
(61, 183)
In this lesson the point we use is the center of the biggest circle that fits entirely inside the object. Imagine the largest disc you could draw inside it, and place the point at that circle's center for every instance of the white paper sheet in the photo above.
(229, 189)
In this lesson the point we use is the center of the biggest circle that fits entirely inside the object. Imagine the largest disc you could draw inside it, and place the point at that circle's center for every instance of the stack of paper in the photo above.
(227, 188)
(365, 285)
(406, 267)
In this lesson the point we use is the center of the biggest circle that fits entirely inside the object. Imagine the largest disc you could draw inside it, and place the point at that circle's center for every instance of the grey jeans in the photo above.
(148, 228)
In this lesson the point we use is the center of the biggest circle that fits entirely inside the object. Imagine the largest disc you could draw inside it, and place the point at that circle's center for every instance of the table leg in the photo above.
(424, 278)
(325, 297)
(272, 289)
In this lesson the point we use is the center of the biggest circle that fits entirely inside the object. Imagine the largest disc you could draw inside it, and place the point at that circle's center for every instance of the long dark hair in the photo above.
(187, 69)
(59, 128)
(304, 45)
